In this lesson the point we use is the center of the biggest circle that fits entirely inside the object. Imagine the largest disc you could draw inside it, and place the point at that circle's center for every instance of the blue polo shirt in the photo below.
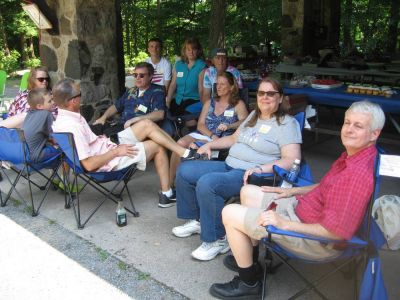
(187, 80)
(130, 105)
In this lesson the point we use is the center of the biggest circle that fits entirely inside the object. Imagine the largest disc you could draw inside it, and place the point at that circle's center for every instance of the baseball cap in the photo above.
(218, 51)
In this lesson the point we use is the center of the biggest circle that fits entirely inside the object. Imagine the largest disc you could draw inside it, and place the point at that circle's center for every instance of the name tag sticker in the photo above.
(228, 113)
(179, 74)
(142, 108)
(264, 129)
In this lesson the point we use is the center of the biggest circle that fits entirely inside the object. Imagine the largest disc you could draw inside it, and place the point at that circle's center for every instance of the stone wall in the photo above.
(85, 48)
(309, 25)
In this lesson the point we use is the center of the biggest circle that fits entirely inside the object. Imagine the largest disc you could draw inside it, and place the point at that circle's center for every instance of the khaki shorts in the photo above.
(303, 248)
(127, 137)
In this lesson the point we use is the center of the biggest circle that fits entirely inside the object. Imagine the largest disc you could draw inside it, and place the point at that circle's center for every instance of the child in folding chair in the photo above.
(37, 125)
(332, 209)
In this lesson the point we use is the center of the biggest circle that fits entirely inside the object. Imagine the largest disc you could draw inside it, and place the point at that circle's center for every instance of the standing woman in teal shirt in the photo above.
(186, 78)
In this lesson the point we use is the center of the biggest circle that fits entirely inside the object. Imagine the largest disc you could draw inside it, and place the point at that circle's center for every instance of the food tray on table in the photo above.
(325, 84)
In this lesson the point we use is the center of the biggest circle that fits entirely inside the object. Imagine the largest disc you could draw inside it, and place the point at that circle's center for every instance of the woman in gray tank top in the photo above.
(267, 137)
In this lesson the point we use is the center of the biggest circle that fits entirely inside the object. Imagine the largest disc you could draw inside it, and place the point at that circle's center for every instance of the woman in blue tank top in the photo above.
(219, 117)
(185, 78)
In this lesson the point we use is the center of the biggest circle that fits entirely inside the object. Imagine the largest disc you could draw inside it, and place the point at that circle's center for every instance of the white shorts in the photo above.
(127, 137)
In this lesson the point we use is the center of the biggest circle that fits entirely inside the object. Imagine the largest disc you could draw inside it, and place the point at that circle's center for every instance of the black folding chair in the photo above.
(95, 179)
(14, 150)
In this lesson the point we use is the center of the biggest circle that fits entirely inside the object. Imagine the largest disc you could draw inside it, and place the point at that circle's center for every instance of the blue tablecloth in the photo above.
(338, 97)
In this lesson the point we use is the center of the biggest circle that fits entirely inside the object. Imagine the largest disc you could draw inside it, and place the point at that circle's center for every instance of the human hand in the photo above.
(222, 127)
(270, 217)
(193, 146)
(126, 150)
(249, 172)
(100, 120)
(130, 122)
(279, 192)
(205, 149)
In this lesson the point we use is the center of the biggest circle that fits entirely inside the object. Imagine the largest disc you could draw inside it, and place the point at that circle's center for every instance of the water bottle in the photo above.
(121, 215)
(292, 175)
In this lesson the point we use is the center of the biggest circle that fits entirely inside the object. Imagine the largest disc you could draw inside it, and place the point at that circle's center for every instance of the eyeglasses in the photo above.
(140, 75)
(76, 96)
(41, 79)
(268, 93)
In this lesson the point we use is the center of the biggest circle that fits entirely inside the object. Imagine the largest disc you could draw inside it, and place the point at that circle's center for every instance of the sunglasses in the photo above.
(76, 96)
(268, 93)
(140, 75)
(41, 79)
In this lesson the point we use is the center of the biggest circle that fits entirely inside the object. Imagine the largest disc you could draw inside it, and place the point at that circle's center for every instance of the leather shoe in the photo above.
(236, 289)
(230, 262)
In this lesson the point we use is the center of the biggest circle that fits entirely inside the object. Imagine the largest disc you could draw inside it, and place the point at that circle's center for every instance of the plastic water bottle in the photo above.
(292, 175)
(121, 215)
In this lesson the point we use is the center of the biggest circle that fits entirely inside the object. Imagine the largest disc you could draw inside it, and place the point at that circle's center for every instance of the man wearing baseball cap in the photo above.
(219, 57)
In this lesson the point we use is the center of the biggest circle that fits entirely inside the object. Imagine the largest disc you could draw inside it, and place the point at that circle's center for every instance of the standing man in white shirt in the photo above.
(162, 67)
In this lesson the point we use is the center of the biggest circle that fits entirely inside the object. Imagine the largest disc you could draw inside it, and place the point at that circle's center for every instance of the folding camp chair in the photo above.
(23, 85)
(95, 179)
(174, 125)
(14, 150)
(3, 79)
(357, 251)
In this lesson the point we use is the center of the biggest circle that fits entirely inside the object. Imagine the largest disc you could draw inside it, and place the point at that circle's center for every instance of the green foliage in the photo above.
(9, 63)
(131, 62)
(32, 62)
(143, 276)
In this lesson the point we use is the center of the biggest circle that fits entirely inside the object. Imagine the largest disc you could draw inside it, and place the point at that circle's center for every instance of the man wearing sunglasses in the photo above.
(140, 143)
(144, 101)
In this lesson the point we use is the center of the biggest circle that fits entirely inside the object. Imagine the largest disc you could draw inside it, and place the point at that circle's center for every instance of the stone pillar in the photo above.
(309, 25)
(85, 48)
(292, 27)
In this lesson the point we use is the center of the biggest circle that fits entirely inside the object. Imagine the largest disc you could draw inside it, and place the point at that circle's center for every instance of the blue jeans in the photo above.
(201, 190)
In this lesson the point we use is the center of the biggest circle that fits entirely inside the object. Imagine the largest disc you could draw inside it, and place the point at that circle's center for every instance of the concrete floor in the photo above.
(147, 244)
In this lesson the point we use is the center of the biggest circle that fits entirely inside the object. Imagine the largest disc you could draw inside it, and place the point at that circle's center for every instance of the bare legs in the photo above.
(233, 217)
(147, 129)
(175, 158)
(159, 154)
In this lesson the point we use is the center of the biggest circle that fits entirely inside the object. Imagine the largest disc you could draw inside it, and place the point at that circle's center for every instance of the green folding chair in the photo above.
(24, 82)
(3, 78)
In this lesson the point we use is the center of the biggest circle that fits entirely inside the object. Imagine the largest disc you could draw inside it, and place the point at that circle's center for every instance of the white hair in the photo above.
(376, 112)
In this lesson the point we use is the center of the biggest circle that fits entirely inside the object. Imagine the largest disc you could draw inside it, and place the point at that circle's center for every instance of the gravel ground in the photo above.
(136, 284)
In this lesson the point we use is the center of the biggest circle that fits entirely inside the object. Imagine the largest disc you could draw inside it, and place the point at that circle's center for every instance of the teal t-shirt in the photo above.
(187, 80)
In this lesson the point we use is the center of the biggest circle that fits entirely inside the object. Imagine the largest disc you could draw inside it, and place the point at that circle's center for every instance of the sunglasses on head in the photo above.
(41, 79)
(76, 96)
(140, 75)
(268, 93)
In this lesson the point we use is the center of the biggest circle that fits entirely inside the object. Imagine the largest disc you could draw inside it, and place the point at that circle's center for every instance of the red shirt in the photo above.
(339, 202)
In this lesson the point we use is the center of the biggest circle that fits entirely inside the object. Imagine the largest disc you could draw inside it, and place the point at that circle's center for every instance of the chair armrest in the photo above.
(353, 241)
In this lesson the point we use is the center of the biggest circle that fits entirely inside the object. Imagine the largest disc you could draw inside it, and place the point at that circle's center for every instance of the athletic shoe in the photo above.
(207, 251)
(193, 155)
(187, 229)
(165, 201)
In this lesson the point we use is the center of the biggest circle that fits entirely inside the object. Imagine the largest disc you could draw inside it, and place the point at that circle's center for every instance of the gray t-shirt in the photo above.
(37, 128)
(262, 143)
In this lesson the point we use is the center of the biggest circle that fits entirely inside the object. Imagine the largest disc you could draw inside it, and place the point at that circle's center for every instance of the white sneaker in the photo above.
(208, 251)
(187, 229)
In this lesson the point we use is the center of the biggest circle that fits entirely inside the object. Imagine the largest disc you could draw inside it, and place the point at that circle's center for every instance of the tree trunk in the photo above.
(393, 31)
(347, 36)
(24, 57)
(3, 36)
(159, 23)
(217, 24)
(134, 30)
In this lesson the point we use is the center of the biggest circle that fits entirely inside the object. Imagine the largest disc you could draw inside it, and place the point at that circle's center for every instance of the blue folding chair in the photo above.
(95, 179)
(358, 251)
(14, 150)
